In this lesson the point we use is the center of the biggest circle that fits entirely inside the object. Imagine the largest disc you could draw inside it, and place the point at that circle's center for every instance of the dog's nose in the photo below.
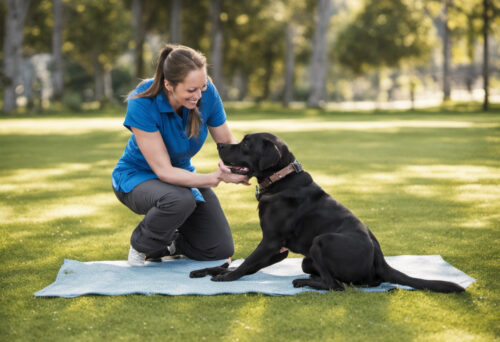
(220, 146)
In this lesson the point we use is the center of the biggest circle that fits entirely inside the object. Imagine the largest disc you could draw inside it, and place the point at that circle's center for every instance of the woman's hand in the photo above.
(223, 167)
(225, 175)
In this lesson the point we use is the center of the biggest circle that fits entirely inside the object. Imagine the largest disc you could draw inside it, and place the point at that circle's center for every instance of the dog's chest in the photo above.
(290, 220)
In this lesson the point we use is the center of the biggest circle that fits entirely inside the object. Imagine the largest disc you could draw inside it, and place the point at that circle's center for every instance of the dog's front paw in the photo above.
(209, 271)
(198, 273)
(227, 276)
(219, 277)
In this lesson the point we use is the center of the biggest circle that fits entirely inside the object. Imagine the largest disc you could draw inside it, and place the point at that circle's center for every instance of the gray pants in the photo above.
(203, 231)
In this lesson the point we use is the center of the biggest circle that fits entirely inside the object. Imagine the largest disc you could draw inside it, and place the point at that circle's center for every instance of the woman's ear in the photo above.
(168, 86)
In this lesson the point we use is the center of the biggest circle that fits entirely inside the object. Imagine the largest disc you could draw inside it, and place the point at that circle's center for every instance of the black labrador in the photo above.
(297, 215)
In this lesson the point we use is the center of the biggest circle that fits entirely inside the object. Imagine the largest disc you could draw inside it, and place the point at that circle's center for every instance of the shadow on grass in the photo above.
(420, 190)
(48, 151)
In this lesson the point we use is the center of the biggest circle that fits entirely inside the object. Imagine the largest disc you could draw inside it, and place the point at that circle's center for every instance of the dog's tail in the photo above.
(391, 275)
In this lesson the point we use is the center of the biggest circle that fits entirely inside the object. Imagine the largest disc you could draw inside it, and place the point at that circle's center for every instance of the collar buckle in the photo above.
(297, 166)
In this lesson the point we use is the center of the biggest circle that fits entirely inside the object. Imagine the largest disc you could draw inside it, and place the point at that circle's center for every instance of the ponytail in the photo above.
(157, 85)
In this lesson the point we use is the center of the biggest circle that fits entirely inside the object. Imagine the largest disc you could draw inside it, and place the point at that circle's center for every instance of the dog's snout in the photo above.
(222, 146)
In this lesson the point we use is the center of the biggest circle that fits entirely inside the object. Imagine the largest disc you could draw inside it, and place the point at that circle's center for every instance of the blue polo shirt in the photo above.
(155, 114)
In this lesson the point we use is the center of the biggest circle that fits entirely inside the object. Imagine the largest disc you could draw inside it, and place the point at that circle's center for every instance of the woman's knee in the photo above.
(219, 252)
(182, 202)
(224, 251)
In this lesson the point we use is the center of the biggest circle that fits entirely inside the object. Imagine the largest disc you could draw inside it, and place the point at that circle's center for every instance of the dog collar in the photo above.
(294, 167)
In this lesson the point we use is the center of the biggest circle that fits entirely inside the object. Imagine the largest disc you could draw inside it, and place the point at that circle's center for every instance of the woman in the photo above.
(169, 117)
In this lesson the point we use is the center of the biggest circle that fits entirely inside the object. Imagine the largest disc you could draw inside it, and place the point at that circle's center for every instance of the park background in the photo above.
(332, 54)
(391, 105)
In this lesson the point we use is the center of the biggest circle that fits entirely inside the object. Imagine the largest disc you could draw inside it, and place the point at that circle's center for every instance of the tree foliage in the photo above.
(38, 28)
(382, 34)
(96, 30)
(377, 34)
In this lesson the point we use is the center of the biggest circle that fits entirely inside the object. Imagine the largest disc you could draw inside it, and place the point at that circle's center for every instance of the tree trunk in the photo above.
(138, 36)
(289, 64)
(319, 58)
(485, 54)
(413, 87)
(12, 50)
(28, 78)
(99, 88)
(108, 85)
(217, 46)
(57, 60)
(446, 53)
(471, 39)
(266, 79)
(376, 85)
(240, 82)
(394, 85)
(175, 22)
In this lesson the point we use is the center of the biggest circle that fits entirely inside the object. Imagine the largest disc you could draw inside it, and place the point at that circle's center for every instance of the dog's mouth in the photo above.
(240, 170)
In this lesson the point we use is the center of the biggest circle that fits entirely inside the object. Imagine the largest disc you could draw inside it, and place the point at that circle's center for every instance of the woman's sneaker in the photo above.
(136, 258)
(171, 248)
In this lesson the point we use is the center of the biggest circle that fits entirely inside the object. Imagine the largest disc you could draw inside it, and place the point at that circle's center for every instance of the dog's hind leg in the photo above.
(321, 277)
(308, 266)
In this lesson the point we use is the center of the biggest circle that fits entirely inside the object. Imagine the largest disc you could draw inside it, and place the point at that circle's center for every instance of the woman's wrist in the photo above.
(216, 177)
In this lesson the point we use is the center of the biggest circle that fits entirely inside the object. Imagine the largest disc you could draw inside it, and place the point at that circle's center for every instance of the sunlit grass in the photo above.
(425, 183)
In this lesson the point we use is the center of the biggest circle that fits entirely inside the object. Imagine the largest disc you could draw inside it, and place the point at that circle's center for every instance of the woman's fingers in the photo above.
(223, 167)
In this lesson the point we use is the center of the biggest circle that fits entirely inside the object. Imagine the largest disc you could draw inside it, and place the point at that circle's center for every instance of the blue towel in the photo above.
(171, 277)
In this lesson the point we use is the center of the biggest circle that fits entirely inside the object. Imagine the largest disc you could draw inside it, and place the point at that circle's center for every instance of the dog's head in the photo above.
(258, 154)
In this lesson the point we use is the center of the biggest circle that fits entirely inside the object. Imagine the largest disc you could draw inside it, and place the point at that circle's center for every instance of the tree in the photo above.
(446, 51)
(104, 38)
(57, 58)
(297, 13)
(468, 21)
(3, 14)
(383, 34)
(147, 17)
(216, 51)
(138, 36)
(37, 41)
(319, 58)
(486, 15)
(175, 22)
(12, 52)
(289, 64)
(253, 43)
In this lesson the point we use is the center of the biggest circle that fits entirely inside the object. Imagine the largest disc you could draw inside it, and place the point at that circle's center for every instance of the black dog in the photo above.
(296, 214)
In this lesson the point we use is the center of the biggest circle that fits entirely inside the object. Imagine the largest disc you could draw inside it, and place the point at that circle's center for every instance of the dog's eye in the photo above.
(244, 146)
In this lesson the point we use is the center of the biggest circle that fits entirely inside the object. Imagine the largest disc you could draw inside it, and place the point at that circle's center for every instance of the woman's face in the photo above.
(187, 93)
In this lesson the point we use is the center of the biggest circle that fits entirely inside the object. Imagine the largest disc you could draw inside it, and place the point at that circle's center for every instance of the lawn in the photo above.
(425, 183)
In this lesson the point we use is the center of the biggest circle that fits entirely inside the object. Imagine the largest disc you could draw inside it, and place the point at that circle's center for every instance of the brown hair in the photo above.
(174, 64)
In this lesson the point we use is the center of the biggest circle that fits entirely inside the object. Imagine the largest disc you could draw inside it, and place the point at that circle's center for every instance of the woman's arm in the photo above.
(222, 134)
(156, 154)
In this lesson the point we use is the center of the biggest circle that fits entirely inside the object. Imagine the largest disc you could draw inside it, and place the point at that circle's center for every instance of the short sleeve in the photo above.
(140, 114)
(217, 114)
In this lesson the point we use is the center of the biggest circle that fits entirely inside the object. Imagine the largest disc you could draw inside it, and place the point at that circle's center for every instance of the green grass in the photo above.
(424, 182)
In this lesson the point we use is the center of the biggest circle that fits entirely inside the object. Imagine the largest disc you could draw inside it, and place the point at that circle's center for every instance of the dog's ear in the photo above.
(271, 155)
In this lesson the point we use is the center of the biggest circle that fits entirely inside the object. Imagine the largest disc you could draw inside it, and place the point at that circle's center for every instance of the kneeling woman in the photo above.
(169, 117)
